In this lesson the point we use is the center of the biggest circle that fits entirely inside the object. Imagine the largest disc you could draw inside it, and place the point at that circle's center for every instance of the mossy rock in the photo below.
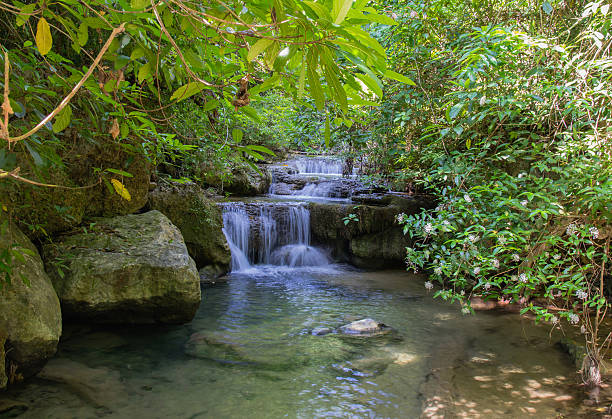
(126, 269)
(102, 201)
(42, 211)
(30, 315)
(198, 218)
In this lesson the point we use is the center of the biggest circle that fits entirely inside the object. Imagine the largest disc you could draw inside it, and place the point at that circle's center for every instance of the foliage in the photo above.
(510, 126)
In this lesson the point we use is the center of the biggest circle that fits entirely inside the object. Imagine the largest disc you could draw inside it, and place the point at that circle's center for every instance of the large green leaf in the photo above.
(187, 90)
(259, 47)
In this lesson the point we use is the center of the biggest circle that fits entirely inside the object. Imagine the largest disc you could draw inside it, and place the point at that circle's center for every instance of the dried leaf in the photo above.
(121, 190)
(115, 131)
(43, 36)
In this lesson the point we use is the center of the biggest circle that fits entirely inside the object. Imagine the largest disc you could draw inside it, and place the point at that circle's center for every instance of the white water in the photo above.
(270, 234)
(319, 165)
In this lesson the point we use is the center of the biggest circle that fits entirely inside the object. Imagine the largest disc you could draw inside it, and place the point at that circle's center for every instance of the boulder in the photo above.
(200, 221)
(126, 269)
(30, 315)
(364, 328)
(321, 331)
(247, 182)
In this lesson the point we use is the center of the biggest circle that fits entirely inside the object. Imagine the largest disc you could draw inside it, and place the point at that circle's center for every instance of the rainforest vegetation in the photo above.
(501, 110)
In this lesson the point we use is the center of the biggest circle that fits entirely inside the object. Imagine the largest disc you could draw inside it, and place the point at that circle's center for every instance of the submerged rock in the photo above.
(11, 408)
(129, 269)
(364, 327)
(30, 315)
(101, 387)
(199, 220)
(321, 331)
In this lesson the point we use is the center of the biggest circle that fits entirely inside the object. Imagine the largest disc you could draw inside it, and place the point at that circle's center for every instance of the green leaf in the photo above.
(119, 172)
(44, 41)
(341, 9)
(26, 12)
(261, 149)
(62, 120)
(38, 161)
(187, 90)
(454, 111)
(144, 72)
(371, 83)
(237, 135)
(315, 84)
(397, 76)
(210, 105)
(301, 80)
(547, 7)
(83, 34)
(259, 47)
(139, 4)
(336, 87)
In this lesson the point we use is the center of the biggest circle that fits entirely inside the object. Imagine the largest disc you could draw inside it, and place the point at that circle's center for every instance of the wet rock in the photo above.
(216, 346)
(364, 327)
(321, 331)
(11, 408)
(199, 220)
(3, 377)
(575, 351)
(30, 316)
(129, 269)
(101, 387)
(212, 275)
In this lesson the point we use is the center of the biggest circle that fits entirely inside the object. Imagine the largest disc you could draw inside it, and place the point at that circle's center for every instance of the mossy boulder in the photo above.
(198, 218)
(30, 315)
(375, 240)
(126, 269)
(106, 153)
(41, 211)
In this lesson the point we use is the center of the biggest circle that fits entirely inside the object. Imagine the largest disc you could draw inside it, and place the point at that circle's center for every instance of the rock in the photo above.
(320, 331)
(364, 327)
(212, 275)
(101, 387)
(244, 180)
(127, 269)
(30, 315)
(215, 345)
(3, 377)
(575, 351)
(11, 408)
(200, 221)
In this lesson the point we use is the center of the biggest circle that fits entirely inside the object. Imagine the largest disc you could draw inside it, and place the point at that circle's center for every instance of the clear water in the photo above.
(250, 353)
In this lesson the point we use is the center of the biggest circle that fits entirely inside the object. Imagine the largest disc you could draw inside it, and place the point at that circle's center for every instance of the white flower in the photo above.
(523, 278)
(400, 217)
(483, 100)
(428, 228)
(446, 222)
(473, 238)
(583, 329)
(594, 232)
(557, 256)
(462, 292)
(465, 310)
(467, 198)
(554, 320)
(476, 270)
(501, 240)
(487, 286)
(438, 270)
(516, 257)
(581, 295)
(495, 263)
(522, 175)
(414, 14)
(573, 318)
(571, 229)
(514, 278)
(524, 202)
(428, 285)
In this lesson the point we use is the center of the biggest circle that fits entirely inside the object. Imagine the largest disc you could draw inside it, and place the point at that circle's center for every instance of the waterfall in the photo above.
(270, 233)
(319, 165)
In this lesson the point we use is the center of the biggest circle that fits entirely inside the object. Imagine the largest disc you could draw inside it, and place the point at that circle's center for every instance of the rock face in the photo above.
(376, 240)
(199, 220)
(30, 315)
(127, 269)
(247, 182)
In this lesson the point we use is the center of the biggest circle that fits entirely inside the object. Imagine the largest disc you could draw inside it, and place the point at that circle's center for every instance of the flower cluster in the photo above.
(401, 218)
(495, 263)
(428, 285)
(467, 198)
(581, 295)
(428, 229)
(523, 278)
(594, 232)
(573, 318)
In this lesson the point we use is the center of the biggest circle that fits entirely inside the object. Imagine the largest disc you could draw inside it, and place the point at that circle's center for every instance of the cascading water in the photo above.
(319, 165)
(270, 234)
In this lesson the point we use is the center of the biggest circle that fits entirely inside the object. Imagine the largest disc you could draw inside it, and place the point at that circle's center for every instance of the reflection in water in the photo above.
(250, 353)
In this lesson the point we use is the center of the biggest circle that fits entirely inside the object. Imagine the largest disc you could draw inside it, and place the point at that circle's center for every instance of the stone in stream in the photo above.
(321, 331)
(101, 387)
(30, 315)
(128, 269)
(364, 328)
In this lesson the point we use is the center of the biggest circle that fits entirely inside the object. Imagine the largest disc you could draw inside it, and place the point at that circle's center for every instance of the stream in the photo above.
(251, 351)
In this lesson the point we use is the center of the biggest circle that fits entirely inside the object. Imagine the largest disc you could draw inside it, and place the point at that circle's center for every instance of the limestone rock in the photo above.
(199, 220)
(247, 182)
(30, 315)
(126, 269)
